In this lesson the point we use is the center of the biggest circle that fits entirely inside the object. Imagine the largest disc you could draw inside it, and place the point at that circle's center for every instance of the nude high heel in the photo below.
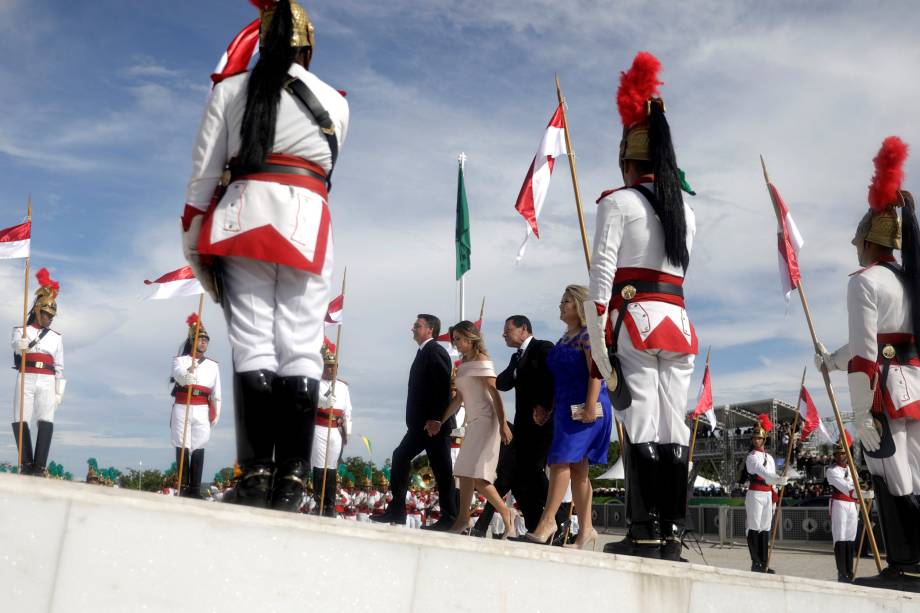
(590, 543)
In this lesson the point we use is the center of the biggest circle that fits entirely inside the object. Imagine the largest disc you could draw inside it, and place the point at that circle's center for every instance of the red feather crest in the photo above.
(328, 344)
(637, 85)
(263, 5)
(889, 173)
(765, 422)
(192, 319)
(45, 280)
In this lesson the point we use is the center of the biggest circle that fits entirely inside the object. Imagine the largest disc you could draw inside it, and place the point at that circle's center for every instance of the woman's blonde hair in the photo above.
(470, 332)
(579, 294)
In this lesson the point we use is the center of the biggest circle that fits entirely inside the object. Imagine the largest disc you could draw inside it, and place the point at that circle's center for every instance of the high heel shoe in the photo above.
(510, 530)
(589, 543)
(530, 537)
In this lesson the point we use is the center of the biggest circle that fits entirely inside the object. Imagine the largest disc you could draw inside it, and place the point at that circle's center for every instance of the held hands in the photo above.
(432, 427)
(505, 432)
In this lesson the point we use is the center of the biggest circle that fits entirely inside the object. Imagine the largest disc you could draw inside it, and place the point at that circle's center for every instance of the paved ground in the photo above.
(801, 559)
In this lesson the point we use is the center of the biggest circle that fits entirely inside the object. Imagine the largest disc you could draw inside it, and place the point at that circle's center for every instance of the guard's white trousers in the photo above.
(902, 470)
(275, 315)
(319, 447)
(39, 398)
(758, 508)
(659, 382)
(844, 517)
(199, 428)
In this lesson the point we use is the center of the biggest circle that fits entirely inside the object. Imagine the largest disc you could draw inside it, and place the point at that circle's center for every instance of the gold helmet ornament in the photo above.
(192, 321)
(46, 294)
(302, 34)
(763, 427)
(881, 225)
(328, 352)
(838, 447)
(637, 93)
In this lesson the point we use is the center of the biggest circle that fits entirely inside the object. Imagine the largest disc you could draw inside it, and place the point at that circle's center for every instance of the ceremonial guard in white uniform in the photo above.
(881, 359)
(844, 513)
(642, 341)
(257, 231)
(761, 495)
(43, 349)
(198, 389)
(333, 421)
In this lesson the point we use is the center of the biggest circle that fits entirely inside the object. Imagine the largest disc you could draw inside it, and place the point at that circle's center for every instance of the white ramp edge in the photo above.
(75, 547)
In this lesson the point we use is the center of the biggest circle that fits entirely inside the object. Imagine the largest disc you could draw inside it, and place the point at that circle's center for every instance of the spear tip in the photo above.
(764, 166)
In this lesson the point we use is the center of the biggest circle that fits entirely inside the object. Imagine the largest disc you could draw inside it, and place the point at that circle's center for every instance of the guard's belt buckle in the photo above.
(196, 392)
(225, 178)
(628, 292)
(330, 131)
(39, 365)
(888, 352)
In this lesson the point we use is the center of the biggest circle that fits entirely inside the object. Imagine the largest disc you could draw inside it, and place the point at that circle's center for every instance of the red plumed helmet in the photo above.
(45, 280)
(889, 173)
(263, 5)
(637, 85)
(765, 422)
(192, 319)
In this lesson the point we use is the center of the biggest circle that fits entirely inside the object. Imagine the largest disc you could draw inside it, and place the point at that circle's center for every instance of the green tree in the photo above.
(150, 480)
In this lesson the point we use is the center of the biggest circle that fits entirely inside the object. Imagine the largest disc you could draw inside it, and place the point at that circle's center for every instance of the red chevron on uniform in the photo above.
(15, 241)
(180, 282)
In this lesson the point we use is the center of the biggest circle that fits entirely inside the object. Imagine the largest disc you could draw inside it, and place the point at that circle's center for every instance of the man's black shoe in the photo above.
(478, 533)
(387, 518)
(442, 525)
(891, 579)
(629, 546)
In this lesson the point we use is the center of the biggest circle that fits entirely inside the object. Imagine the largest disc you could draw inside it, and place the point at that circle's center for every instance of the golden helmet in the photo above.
(881, 225)
(46, 294)
(191, 321)
(303, 34)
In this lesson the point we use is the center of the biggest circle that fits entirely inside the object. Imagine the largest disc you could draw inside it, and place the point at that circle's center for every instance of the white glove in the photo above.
(868, 494)
(327, 402)
(865, 428)
(597, 327)
(824, 358)
(59, 386)
(190, 249)
(783, 481)
(189, 378)
(21, 344)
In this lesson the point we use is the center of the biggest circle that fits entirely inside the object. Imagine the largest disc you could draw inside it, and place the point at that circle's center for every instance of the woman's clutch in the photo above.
(578, 411)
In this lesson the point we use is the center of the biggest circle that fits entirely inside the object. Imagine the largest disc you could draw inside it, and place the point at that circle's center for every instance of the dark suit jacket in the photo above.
(429, 387)
(533, 386)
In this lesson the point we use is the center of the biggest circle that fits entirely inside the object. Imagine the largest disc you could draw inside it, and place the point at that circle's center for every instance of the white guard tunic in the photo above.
(842, 507)
(47, 367)
(205, 403)
(879, 313)
(758, 502)
(274, 238)
(657, 343)
(340, 417)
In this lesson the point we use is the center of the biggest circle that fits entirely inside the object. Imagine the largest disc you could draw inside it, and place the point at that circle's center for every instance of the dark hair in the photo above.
(263, 92)
(670, 209)
(910, 260)
(521, 321)
(433, 322)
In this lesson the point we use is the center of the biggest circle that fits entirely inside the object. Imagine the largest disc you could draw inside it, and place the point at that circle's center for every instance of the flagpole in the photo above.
(696, 421)
(22, 361)
(335, 376)
(832, 396)
(782, 489)
(571, 155)
(188, 396)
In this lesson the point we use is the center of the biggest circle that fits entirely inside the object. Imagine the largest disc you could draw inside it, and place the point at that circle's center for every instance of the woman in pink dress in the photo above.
(486, 427)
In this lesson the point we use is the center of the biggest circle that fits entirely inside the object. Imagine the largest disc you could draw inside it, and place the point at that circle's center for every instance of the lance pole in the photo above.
(188, 396)
(335, 376)
(782, 490)
(22, 361)
(571, 155)
(696, 421)
(831, 395)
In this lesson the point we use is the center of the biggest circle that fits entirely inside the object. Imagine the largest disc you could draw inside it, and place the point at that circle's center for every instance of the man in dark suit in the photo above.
(532, 382)
(428, 396)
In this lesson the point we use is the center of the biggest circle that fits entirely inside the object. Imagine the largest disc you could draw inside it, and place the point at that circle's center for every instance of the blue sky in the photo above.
(102, 99)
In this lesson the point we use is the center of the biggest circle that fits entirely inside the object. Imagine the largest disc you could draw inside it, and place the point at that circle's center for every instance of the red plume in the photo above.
(765, 422)
(328, 344)
(192, 319)
(889, 173)
(263, 4)
(45, 280)
(637, 85)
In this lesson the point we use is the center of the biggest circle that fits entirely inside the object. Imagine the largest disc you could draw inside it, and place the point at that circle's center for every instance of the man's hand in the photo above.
(865, 428)
(187, 379)
(432, 427)
(21, 344)
(540, 415)
(59, 386)
(327, 401)
(190, 248)
(824, 358)
(597, 331)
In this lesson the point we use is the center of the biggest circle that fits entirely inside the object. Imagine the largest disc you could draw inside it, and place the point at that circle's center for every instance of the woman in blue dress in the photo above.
(582, 423)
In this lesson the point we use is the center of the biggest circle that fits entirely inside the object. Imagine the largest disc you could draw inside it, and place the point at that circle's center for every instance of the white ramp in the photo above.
(75, 547)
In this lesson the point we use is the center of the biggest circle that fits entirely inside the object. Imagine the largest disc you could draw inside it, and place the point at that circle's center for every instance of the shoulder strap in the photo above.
(650, 196)
(299, 89)
(894, 268)
(40, 336)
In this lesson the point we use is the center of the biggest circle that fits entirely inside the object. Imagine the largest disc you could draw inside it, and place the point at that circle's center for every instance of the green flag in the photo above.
(462, 235)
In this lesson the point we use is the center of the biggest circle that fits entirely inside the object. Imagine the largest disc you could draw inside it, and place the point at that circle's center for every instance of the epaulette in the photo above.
(606, 193)
(340, 380)
(862, 270)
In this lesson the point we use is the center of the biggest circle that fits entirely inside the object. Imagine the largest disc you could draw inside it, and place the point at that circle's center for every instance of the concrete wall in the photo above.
(75, 547)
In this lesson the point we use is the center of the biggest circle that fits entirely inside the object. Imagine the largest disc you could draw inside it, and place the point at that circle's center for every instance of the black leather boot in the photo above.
(254, 406)
(900, 521)
(643, 539)
(764, 549)
(294, 421)
(182, 459)
(753, 543)
(25, 446)
(42, 447)
(328, 498)
(841, 552)
(851, 555)
(672, 499)
(195, 470)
